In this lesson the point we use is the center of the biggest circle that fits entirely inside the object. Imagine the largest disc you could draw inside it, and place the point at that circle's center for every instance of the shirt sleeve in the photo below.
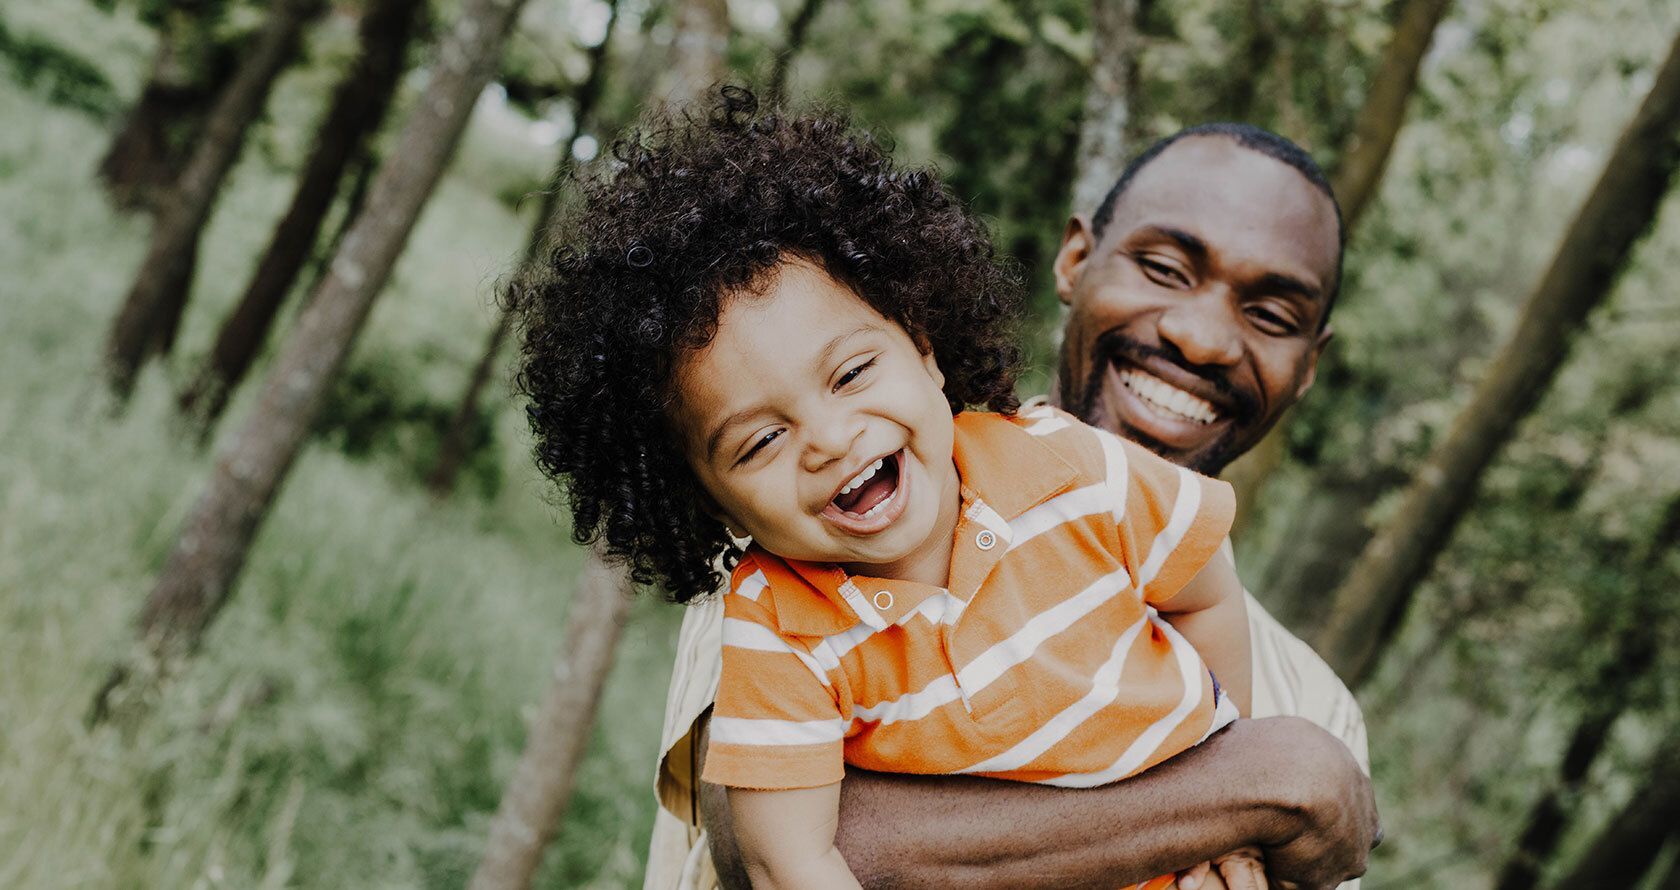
(777, 723)
(1174, 520)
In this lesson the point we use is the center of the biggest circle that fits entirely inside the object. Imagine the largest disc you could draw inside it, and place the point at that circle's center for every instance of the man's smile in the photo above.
(1165, 399)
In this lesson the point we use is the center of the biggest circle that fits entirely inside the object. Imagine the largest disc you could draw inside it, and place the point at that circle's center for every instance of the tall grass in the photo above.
(356, 709)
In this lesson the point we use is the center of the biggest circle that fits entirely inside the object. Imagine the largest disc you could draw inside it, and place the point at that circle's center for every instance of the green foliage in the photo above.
(63, 77)
(374, 410)
(359, 706)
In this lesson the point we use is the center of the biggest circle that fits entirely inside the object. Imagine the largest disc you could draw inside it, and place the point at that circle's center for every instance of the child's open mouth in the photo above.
(871, 499)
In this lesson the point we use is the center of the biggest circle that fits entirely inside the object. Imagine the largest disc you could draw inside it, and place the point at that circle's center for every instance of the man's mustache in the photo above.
(1242, 406)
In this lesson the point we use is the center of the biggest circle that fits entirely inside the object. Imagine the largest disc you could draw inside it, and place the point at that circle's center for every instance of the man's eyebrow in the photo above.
(1190, 244)
(1286, 285)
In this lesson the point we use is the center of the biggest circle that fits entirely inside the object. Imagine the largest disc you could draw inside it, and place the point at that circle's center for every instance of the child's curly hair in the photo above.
(691, 209)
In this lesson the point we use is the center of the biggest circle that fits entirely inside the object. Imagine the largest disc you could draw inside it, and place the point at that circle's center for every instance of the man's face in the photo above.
(1196, 320)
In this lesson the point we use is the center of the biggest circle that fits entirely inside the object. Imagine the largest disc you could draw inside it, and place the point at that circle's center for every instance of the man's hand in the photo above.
(1334, 808)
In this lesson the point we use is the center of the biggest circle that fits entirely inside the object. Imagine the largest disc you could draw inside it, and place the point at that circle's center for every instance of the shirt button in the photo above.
(986, 540)
(883, 600)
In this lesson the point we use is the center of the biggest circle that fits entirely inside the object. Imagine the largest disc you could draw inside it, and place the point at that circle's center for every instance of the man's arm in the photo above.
(1281, 784)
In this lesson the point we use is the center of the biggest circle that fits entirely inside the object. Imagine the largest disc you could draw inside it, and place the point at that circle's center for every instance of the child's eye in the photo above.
(758, 446)
(851, 375)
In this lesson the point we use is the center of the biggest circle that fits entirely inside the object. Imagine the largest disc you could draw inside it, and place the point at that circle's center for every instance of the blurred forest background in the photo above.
(281, 592)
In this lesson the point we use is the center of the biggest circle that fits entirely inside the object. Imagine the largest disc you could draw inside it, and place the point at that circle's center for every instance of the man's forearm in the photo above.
(947, 831)
(1269, 783)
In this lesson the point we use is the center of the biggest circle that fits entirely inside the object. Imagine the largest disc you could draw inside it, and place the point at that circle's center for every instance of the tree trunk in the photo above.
(798, 30)
(146, 153)
(532, 803)
(159, 294)
(1106, 117)
(358, 106)
(1550, 814)
(1628, 845)
(541, 783)
(1366, 610)
(1366, 156)
(452, 448)
(204, 562)
(1630, 659)
(1238, 94)
(698, 44)
(1360, 170)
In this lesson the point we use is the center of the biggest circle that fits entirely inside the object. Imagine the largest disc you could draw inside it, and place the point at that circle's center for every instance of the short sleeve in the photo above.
(777, 723)
(1174, 521)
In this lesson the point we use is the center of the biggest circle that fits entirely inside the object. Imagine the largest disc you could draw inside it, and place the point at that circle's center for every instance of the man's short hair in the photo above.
(1256, 139)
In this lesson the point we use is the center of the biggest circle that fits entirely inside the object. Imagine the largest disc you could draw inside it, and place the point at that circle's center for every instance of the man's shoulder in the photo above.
(1290, 679)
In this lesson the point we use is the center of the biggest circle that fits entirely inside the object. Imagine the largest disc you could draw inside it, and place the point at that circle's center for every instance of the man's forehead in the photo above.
(1243, 204)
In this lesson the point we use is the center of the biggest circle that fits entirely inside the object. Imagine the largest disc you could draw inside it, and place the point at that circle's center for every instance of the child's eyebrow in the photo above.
(827, 354)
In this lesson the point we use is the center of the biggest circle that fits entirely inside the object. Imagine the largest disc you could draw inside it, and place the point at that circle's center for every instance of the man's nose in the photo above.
(831, 439)
(1204, 329)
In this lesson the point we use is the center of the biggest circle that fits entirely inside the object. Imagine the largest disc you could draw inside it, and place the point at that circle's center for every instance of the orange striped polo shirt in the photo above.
(1042, 661)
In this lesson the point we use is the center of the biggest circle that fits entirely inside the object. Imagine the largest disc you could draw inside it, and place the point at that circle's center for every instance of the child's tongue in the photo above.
(866, 496)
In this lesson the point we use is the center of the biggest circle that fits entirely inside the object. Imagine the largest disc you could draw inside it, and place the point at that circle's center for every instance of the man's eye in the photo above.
(759, 445)
(1272, 322)
(1163, 274)
(851, 375)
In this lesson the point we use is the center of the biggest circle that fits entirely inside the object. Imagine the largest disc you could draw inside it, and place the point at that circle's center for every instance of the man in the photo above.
(1198, 295)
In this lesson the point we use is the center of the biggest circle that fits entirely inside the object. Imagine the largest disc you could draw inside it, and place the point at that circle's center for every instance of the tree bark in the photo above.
(358, 106)
(1368, 607)
(1550, 815)
(159, 294)
(700, 39)
(798, 30)
(1384, 112)
(150, 146)
(1106, 117)
(541, 783)
(203, 564)
(452, 448)
(1628, 845)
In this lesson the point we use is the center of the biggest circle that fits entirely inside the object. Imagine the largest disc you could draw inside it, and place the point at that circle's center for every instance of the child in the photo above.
(759, 327)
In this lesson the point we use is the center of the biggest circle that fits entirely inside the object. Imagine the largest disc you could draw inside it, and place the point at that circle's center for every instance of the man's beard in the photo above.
(1209, 459)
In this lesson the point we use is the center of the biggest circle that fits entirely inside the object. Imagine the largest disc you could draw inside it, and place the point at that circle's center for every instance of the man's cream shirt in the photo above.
(1289, 680)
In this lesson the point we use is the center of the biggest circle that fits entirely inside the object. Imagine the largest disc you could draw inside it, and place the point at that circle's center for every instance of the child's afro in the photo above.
(696, 206)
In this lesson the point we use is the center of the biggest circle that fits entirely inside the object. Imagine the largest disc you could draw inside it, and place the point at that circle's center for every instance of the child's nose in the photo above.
(832, 440)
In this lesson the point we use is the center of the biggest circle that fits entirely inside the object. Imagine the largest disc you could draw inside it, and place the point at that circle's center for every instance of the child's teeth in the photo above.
(864, 476)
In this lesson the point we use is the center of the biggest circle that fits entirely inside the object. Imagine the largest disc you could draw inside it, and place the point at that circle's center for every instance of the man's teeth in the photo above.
(1167, 398)
(862, 477)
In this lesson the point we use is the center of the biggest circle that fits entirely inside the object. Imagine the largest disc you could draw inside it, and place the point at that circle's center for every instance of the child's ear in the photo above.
(932, 366)
(711, 508)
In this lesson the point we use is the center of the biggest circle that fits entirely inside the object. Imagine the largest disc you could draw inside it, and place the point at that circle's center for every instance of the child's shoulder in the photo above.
(1084, 447)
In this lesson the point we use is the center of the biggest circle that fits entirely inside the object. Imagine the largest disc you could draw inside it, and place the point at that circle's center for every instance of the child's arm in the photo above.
(1212, 613)
(786, 838)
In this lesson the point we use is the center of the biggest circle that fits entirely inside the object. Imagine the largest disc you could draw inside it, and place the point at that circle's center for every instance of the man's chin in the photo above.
(1208, 458)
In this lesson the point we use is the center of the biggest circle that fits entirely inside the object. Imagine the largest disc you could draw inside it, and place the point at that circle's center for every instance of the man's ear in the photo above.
(1312, 362)
(1078, 244)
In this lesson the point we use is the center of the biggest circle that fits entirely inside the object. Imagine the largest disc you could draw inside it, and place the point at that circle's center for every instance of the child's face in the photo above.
(803, 391)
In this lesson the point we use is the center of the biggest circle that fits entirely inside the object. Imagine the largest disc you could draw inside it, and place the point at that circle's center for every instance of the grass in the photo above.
(360, 702)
